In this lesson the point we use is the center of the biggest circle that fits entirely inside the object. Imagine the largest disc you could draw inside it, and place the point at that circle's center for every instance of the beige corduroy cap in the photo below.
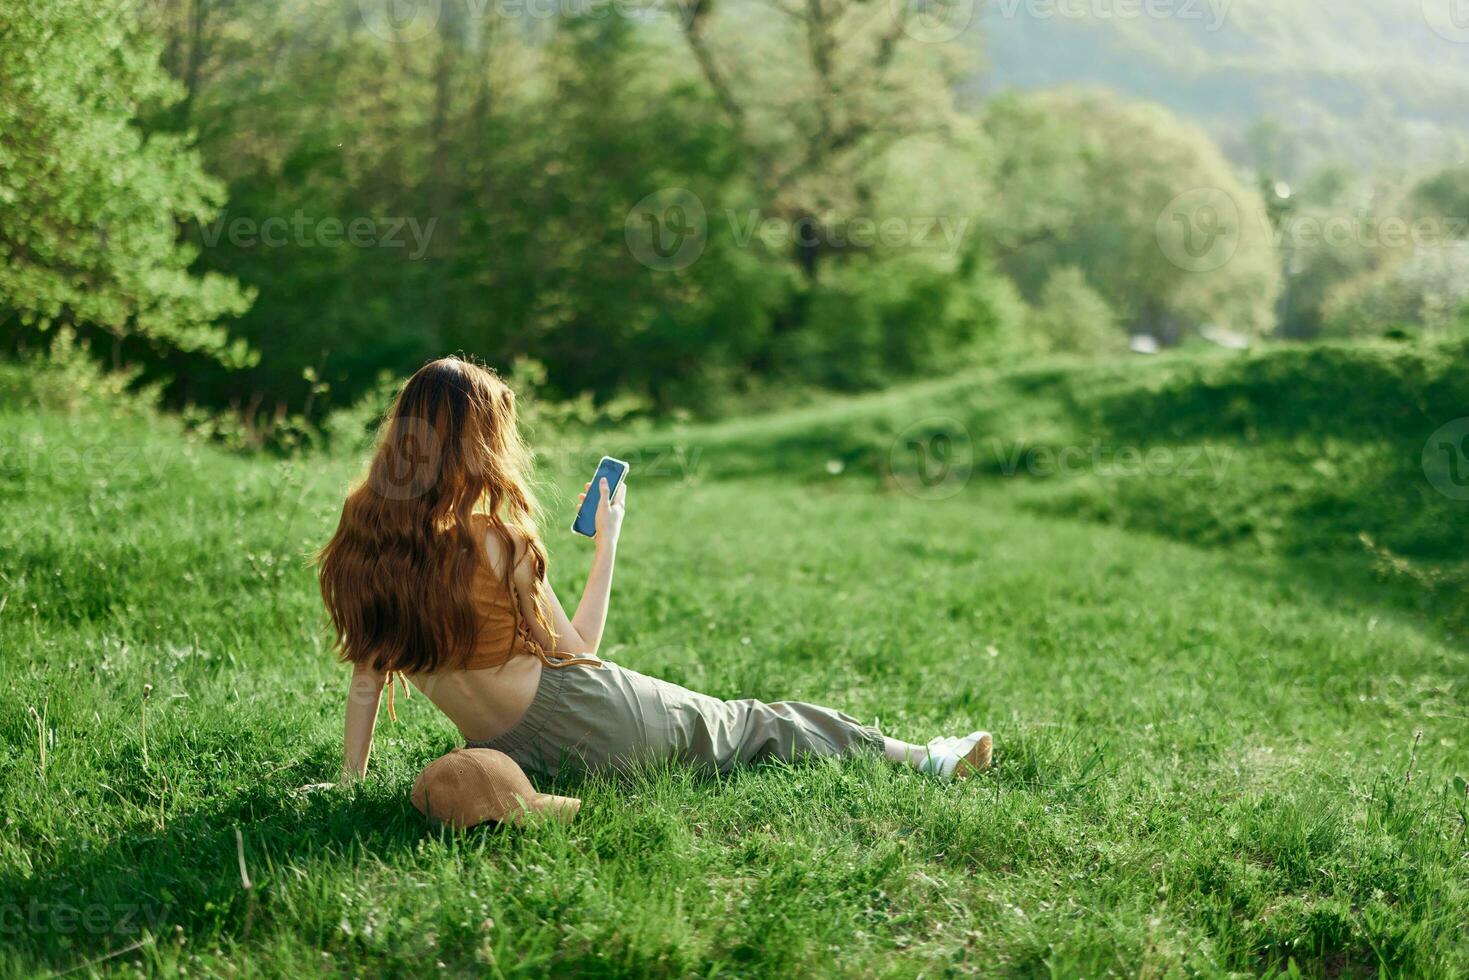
(470, 786)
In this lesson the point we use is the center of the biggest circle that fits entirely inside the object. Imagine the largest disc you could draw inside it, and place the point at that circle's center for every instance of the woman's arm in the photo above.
(590, 618)
(363, 694)
(581, 634)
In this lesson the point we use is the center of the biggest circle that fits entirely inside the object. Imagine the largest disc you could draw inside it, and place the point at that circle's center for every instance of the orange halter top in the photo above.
(501, 633)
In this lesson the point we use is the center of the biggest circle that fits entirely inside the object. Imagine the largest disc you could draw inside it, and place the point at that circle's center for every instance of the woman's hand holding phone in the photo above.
(611, 508)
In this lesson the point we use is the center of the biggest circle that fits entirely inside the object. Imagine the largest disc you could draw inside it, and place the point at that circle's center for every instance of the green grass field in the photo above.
(1205, 687)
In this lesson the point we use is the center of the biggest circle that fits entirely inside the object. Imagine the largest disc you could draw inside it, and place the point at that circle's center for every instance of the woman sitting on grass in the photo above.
(436, 573)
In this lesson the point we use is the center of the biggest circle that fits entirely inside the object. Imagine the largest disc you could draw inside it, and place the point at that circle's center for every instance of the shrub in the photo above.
(1074, 318)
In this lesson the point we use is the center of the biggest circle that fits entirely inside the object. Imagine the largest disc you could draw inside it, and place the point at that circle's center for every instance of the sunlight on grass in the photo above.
(1202, 755)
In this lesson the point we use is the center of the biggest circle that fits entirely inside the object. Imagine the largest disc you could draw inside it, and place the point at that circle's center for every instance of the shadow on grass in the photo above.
(189, 878)
(199, 878)
(209, 877)
(1381, 542)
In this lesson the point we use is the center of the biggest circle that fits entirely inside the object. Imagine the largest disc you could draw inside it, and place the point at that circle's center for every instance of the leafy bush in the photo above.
(1369, 257)
(1427, 291)
(1071, 317)
(65, 377)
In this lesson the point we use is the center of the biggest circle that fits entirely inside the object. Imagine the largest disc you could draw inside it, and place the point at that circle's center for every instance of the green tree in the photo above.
(529, 145)
(845, 119)
(821, 97)
(1406, 266)
(1443, 195)
(517, 155)
(1142, 202)
(1316, 257)
(88, 205)
(1072, 317)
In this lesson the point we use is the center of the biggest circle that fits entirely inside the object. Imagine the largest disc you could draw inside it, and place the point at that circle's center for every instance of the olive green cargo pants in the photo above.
(609, 717)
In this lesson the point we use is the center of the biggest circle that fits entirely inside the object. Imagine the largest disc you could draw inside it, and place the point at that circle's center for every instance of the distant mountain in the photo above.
(1287, 85)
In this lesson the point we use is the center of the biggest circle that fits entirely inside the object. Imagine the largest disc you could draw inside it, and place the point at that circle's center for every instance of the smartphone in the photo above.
(613, 471)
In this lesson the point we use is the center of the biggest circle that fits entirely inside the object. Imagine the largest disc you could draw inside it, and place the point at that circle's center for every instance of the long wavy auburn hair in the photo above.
(397, 575)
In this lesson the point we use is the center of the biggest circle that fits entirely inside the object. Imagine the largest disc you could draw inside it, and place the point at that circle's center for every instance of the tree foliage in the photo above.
(1072, 317)
(526, 150)
(88, 203)
(670, 201)
(1371, 255)
(1115, 188)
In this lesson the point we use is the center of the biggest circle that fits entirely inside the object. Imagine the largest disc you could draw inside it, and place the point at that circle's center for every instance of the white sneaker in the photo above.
(950, 757)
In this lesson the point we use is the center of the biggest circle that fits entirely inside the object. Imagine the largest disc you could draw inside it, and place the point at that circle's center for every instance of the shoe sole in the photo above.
(978, 759)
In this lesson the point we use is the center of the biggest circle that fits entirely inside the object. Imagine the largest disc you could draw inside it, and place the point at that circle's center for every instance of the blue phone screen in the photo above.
(586, 517)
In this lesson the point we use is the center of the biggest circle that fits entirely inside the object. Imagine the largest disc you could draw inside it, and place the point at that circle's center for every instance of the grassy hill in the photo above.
(1206, 691)
(1317, 455)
